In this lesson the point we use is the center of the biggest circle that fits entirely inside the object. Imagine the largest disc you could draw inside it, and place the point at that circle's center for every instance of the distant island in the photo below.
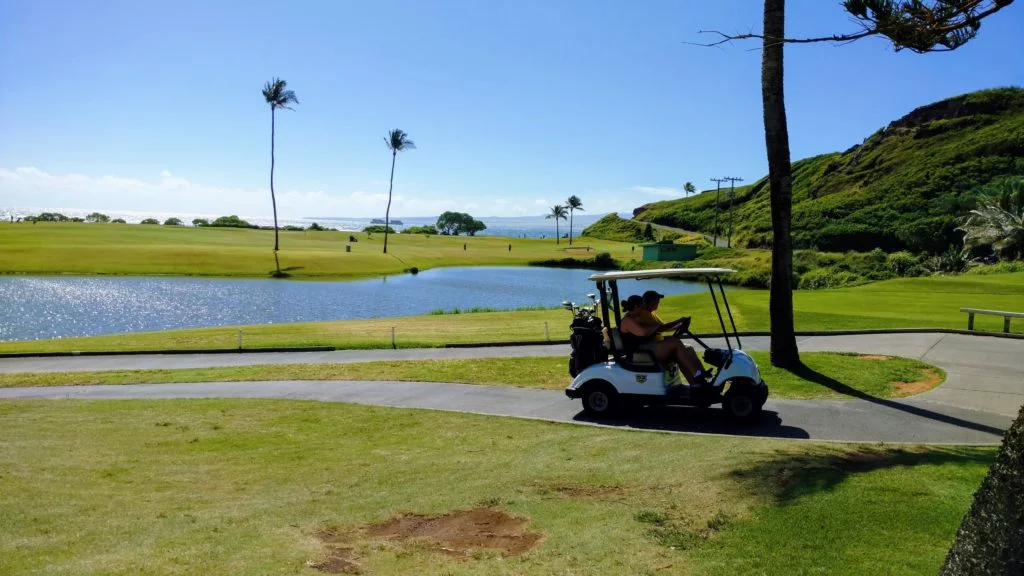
(381, 221)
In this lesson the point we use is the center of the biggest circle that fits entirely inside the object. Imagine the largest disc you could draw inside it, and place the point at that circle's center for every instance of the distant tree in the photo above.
(173, 222)
(230, 222)
(51, 217)
(276, 94)
(449, 223)
(97, 217)
(474, 226)
(998, 220)
(314, 227)
(397, 141)
(200, 222)
(558, 212)
(378, 229)
(573, 203)
(918, 25)
(118, 221)
(150, 221)
(689, 189)
(649, 232)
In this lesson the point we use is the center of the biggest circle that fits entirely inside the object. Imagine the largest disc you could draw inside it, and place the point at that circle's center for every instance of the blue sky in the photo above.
(514, 105)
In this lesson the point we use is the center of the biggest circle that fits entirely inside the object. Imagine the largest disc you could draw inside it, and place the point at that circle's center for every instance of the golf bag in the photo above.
(587, 344)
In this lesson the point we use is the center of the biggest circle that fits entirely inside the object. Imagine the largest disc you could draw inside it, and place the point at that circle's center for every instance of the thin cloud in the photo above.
(656, 191)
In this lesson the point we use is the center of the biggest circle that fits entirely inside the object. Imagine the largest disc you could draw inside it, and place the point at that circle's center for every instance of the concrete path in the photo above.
(984, 390)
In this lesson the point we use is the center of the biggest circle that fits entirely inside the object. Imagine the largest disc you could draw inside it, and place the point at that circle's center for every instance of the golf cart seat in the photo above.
(637, 360)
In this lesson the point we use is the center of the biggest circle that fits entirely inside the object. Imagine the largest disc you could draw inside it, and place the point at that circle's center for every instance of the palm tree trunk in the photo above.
(570, 226)
(558, 235)
(387, 213)
(784, 351)
(273, 199)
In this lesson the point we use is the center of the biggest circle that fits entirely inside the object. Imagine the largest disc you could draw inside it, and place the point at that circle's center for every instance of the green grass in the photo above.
(242, 487)
(87, 249)
(932, 302)
(875, 376)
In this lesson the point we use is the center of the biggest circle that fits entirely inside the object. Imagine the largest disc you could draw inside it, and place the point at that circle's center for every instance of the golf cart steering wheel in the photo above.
(682, 330)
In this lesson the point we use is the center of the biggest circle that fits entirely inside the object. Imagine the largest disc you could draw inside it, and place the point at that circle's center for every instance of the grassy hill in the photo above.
(902, 188)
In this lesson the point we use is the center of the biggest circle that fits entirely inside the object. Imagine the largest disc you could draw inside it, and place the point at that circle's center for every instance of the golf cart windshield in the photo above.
(608, 289)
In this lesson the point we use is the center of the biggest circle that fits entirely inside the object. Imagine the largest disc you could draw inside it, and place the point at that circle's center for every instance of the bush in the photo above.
(48, 217)
(150, 221)
(821, 278)
(429, 230)
(292, 228)
(118, 221)
(903, 263)
(314, 227)
(378, 229)
(999, 268)
(172, 222)
(200, 222)
(953, 261)
(230, 222)
(97, 217)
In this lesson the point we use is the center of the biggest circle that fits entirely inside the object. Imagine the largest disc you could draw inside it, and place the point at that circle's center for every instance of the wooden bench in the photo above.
(1006, 316)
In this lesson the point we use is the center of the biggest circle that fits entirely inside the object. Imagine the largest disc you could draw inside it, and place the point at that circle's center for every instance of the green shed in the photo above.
(670, 252)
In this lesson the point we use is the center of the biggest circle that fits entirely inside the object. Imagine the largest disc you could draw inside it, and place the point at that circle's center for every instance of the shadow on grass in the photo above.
(707, 421)
(292, 268)
(789, 476)
(816, 377)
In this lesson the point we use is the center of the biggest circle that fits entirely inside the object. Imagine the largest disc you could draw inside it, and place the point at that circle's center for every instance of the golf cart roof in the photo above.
(661, 273)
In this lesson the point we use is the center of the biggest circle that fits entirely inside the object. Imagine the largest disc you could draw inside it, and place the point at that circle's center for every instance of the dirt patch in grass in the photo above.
(459, 533)
(872, 357)
(579, 491)
(929, 379)
(340, 559)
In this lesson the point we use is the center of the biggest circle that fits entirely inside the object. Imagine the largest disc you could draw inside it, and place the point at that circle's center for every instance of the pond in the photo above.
(49, 307)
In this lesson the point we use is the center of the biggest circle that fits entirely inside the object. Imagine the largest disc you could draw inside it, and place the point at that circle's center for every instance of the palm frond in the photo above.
(276, 94)
(574, 203)
(397, 141)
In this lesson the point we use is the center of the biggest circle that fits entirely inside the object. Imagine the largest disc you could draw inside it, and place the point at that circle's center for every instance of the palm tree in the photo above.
(558, 212)
(397, 141)
(278, 96)
(998, 220)
(573, 203)
(688, 189)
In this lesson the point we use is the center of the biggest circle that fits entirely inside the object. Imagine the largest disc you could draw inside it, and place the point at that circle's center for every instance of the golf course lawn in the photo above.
(878, 376)
(122, 249)
(256, 487)
(932, 302)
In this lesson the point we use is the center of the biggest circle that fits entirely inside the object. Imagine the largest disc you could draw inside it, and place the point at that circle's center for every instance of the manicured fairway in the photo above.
(274, 487)
(121, 249)
(932, 302)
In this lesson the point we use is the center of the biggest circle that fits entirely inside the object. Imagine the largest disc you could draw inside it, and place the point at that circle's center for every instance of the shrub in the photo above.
(172, 222)
(429, 229)
(953, 261)
(97, 217)
(314, 227)
(230, 222)
(999, 268)
(378, 229)
(821, 278)
(150, 221)
(200, 222)
(293, 228)
(118, 221)
(903, 263)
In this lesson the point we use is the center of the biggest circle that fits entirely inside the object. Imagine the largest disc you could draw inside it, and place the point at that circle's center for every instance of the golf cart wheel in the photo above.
(600, 400)
(742, 403)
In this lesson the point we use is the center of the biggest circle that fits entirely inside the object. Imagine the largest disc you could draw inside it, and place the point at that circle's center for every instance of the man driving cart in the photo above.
(643, 329)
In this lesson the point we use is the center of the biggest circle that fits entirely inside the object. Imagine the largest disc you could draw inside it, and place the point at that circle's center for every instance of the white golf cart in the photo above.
(608, 376)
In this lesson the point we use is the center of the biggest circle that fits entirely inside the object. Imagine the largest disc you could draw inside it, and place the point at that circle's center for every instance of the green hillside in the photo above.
(902, 188)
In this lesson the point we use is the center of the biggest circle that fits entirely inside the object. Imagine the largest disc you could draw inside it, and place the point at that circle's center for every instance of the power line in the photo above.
(718, 194)
(732, 194)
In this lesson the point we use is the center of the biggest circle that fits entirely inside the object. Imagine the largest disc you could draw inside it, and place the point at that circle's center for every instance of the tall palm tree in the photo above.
(278, 96)
(688, 189)
(558, 212)
(397, 141)
(573, 203)
(998, 220)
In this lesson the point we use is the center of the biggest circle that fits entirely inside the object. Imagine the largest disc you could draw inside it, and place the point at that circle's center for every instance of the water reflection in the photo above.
(47, 307)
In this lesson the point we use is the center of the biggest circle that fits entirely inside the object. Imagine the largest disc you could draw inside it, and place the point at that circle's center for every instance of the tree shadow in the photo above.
(811, 375)
(788, 476)
(702, 420)
(292, 268)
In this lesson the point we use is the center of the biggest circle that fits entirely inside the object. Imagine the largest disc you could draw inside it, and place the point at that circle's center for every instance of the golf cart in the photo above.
(609, 376)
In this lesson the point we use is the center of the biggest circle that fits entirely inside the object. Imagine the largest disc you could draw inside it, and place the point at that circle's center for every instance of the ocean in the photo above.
(511, 226)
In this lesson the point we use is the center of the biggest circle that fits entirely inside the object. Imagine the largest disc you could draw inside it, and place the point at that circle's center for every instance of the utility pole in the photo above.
(732, 194)
(718, 194)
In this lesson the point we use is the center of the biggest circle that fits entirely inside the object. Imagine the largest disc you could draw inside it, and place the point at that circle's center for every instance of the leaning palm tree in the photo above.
(998, 220)
(688, 189)
(558, 212)
(397, 141)
(278, 96)
(573, 203)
